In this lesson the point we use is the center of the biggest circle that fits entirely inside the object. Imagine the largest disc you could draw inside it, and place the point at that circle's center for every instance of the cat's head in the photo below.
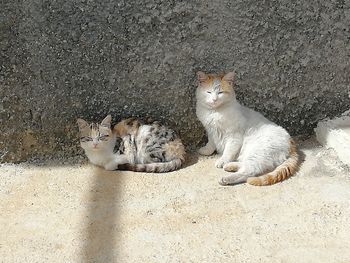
(95, 136)
(215, 90)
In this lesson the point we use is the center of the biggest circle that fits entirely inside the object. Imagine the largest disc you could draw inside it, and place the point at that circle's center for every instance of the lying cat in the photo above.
(142, 147)
(257, 150)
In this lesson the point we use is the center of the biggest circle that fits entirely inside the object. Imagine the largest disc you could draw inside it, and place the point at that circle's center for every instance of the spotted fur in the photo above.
(149, 147)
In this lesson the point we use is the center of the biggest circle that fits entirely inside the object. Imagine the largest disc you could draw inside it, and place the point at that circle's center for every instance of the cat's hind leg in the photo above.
(232, 179)
(232, 166)
(240, 176)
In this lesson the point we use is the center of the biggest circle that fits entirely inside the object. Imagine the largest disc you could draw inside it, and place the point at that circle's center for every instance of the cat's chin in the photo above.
(214, 106)
(94, 149)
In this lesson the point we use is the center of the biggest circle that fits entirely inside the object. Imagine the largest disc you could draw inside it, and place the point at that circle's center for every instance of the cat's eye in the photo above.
(209, 92)
(220, 92)
(85, 139)
(104, 137)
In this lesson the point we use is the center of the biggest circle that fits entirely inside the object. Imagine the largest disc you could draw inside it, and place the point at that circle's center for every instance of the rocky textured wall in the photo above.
(69, 58)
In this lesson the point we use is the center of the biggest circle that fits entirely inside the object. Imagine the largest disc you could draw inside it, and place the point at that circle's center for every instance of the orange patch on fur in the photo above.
(282, 172)
(208, 84)
(175, 150)
(231, 167)
(226, 86)
(120, 129)
(127, 126)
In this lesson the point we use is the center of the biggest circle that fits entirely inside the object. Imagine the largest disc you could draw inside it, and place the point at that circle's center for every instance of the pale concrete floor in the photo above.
(80, 213)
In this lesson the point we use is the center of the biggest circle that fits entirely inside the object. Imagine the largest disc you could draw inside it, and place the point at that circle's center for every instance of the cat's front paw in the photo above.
(111, 166)
(221, 162)
(205, 151)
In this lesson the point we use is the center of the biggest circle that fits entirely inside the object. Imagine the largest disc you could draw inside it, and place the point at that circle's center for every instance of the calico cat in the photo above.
(150, 147)
(257, 150)
(98, 142)
(140, 147)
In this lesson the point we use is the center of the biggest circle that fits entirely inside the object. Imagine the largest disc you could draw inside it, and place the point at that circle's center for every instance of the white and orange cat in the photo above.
(257, 150)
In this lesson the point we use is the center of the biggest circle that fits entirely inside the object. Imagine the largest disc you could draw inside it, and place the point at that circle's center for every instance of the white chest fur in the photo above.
(221, 125)
(99, 158)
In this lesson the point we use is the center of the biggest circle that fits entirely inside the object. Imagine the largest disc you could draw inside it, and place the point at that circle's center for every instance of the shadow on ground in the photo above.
(102, 217)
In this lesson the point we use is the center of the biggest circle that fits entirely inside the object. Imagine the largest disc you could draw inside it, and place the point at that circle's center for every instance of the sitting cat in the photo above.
(257, 150)
(142, 148)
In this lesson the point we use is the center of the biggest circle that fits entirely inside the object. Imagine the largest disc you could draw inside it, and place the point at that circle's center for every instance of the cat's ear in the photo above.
(107, 121)
(229, 77)
(201, 76)
(82, 124)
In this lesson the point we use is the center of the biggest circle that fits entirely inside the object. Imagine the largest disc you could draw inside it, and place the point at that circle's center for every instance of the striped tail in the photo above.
(282, 172)
(154, 167)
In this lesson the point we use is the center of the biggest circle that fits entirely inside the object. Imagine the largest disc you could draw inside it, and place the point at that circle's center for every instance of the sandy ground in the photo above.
(79, 213)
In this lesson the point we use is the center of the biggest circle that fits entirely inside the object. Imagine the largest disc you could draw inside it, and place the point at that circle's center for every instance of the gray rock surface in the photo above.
(66, 59)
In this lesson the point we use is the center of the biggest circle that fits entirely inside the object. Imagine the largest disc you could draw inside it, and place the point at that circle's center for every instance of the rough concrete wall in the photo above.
(70, 58)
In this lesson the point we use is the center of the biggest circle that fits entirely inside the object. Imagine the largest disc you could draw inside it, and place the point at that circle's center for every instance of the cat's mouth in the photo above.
(214, 105)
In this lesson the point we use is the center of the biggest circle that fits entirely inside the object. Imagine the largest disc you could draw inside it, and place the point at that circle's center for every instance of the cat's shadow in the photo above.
(301, 154)
(301, 160)
(191, 159)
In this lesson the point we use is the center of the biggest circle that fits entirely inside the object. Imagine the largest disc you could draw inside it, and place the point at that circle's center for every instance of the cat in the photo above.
(140, 147)
(98, 142)
(257, 150)
(150, 147)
